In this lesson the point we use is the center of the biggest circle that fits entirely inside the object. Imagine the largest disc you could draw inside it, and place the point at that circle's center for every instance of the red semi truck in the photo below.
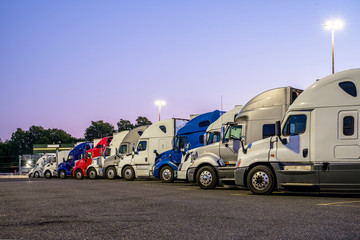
(79, 171)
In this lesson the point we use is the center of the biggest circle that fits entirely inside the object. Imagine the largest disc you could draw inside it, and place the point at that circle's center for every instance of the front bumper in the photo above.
(239, 176)
(191, 175)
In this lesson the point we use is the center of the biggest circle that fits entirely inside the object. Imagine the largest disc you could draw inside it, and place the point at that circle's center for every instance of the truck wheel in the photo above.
(30, 175)
(111, 173)
(92, 173)
(79, 175)
(128, 173)
(167, 174)
(36, 174)
(62, 174)
(206, 178)
(48, 174)
(261, 180)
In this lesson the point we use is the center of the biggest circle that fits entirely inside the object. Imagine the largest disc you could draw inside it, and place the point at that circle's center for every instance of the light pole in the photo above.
(332, 25)
(160, 103)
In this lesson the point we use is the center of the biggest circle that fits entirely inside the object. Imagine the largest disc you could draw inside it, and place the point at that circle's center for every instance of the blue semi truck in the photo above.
(78, 152)
(188, 137)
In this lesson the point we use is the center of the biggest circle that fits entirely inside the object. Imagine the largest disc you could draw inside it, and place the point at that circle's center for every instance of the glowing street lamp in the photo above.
(160, 103)
(332, 25)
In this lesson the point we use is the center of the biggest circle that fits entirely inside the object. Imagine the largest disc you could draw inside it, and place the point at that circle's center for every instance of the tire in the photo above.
(261, 180)
(167, 174)
(79, 175)
(206, 178)
(111, 173)
(92, 174)
(62, 174)
(128, 173)
(36, 174)
(30, 175)
(48, 174)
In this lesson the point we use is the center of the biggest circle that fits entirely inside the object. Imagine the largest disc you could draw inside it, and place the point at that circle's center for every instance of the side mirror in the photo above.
(205, 139)
(172, 143)
(222, 133)
(156, 152)
(277, 128)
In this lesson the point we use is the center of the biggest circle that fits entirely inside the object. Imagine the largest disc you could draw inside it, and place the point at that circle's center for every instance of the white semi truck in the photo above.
(51, 167)
(317, 145)
(156, 139)
(214, 164)
(110, 166)
(212, 135)
(37, 171)
(95, 169)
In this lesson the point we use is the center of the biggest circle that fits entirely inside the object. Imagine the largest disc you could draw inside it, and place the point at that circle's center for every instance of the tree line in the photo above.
(22, 141)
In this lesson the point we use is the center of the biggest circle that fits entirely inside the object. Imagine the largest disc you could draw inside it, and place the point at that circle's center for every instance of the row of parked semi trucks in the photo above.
(285, 138)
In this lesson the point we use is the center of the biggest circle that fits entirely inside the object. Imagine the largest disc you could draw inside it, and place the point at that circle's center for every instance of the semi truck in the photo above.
(211, 136)
(188, 137)
(94, 170)
(81, 165)
(316, 147)
(214, 164)
(37, 171)
(155, 140)
(50, 169)
(110, 166)
(78, 152)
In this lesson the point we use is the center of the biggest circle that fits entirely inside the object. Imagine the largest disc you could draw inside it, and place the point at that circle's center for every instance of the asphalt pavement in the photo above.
(149, 209)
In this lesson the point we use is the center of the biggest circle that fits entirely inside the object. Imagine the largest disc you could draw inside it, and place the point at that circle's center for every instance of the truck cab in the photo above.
(155, 140)
(211, 136)
(50, 169)
(188, 137)
(215, 164)
(78, 152)
(316, 147)
(110, 166)
(37, 171)
(81, 165)
(95, 169)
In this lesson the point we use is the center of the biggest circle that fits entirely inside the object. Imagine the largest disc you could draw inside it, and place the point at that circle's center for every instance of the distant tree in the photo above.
(98, 129)
(141, 121)
(124, 125)
(20, 142)
(58, 136)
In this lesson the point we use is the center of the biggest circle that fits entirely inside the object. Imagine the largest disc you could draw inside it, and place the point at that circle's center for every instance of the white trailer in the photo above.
(156, 139)
(317, 147)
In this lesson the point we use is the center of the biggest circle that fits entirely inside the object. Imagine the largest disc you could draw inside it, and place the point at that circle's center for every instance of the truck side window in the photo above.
(227, 134)
(204, 123)
(295, 125)
(235, 132)
(99, 146)
(141, 146)
(123, 149)
(268, 130)
(348, 126)
(349, 88)
(201, 139)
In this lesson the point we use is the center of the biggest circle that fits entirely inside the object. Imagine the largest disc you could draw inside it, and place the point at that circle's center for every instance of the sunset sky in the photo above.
(66, 63)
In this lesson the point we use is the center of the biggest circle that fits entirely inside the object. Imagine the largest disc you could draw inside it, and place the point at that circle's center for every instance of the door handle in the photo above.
(305, 152)
(146, 159)
(325, 166)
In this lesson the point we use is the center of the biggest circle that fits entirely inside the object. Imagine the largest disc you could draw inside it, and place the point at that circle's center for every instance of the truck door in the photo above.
(293, 152)
(230, 145)
(141, 159)
(343, 170)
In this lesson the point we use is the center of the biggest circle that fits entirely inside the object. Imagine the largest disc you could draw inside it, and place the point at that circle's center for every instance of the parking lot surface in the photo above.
(143, 209)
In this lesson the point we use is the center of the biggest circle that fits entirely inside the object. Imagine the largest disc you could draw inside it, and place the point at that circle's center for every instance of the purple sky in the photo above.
(66, 63)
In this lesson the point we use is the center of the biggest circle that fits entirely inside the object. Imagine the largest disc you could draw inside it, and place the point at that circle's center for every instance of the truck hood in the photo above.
(163, 155)
(256, 151)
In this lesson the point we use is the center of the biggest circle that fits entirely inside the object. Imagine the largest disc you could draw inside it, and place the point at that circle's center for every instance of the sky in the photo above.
(66, 63)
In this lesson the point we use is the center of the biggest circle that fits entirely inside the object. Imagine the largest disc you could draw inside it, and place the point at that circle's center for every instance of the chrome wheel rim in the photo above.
(128, 173)
(62, 174)
(92, 174)
(260, 180)
(48, 175)
(206, 178)
(78, 175)
(166, 174)
(111, 173)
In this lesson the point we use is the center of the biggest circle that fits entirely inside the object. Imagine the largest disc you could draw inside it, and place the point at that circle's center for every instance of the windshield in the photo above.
(180, 143)
(233, 132)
